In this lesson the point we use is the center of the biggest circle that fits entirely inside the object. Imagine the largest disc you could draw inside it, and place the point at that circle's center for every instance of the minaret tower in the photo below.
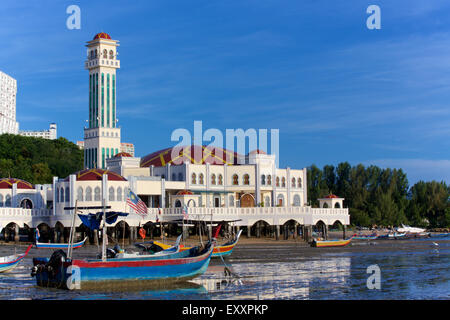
(101, 136)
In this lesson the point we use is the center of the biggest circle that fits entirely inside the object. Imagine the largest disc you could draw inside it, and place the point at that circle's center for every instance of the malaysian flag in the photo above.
(137, 204)
(185, 214)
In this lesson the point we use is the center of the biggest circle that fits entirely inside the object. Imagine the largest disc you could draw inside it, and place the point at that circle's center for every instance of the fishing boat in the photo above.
(180, 266)
(10, 262)
(372, 236)
(223, 250)
(409, 229)
(330, 243)
(440, 235)
(43, 245)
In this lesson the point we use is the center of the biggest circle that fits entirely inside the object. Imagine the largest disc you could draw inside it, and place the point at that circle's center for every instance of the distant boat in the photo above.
(10, 262)
(410, 229)
(440, 235)
(372, 236)
(330, 243)
(43, 245)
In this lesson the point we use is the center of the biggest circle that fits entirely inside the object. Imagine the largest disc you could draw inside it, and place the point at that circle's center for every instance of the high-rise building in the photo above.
(50, 134)
(102, 136)
(8, 92)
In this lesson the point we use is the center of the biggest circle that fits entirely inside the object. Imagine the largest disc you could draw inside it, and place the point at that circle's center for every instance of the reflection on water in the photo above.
(415, 274)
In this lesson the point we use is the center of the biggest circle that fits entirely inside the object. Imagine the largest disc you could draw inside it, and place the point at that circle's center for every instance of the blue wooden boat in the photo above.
(170, 267)
(372, 236)
(43, 245)
(10, 262)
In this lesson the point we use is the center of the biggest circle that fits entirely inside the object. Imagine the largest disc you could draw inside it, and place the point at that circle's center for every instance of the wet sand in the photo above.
(259, 249)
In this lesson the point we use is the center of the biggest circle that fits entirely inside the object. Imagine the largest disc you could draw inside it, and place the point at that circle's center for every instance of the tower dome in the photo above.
(102, 35)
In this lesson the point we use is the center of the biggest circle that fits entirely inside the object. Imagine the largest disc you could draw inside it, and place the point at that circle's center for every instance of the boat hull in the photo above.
(169, 268)
(219, 251)
(65, 246)
(10, 262)
(330, 243)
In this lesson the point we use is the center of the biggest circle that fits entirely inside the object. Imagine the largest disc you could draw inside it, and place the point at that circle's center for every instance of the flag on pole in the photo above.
(137, 204)
(157, 215)
(185, 214)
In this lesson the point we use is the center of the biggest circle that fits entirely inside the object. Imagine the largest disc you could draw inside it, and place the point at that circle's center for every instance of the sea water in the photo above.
(420, 272)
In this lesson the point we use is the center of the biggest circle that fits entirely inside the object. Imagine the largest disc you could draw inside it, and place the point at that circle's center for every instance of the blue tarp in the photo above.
(92, 220)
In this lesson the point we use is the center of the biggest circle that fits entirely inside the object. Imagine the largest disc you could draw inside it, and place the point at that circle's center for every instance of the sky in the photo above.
(336, 90)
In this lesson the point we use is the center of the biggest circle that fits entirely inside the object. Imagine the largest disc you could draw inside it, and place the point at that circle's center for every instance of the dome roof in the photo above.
(332, 196)
(7, 183)
(188, 153)
(96, 174)
(123, 154)
(102, 35)
(257, 151)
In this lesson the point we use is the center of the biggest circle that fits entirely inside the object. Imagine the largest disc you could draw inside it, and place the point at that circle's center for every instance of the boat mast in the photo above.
(71, 235)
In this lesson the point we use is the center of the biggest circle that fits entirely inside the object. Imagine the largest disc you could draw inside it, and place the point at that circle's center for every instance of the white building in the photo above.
(8, 92)
(51, 133)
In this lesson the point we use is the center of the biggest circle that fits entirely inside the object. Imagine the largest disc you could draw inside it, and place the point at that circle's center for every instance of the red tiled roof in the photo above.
(122, 154)
(7, 183)
(96, 174)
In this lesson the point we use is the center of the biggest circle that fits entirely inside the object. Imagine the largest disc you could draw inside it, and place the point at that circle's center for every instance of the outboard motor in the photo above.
(57, 259)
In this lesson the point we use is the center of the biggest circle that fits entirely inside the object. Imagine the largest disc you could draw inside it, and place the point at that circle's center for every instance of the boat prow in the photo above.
(10, 262)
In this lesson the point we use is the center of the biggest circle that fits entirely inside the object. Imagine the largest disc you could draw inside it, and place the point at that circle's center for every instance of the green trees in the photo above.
(37, 160)
(378, 196)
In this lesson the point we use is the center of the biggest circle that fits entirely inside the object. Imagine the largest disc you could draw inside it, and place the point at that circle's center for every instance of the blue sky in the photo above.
(336, 90)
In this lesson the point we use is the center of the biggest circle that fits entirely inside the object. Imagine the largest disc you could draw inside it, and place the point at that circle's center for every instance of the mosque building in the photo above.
(248, 189)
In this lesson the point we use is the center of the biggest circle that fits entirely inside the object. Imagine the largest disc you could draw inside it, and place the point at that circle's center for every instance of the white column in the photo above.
(14, 200)
(257, 184)
(288, 174)
(304, 186)
(55, 179)
(163, 193)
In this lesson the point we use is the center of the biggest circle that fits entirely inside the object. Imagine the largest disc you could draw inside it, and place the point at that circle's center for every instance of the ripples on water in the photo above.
(419, 274)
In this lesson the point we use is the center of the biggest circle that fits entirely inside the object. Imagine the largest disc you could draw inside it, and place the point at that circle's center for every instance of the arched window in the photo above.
(125, 193)
(220, 180)
(178, 204)
(57, 195)
(299, 182)
(293, 183)
(283, 182)
(111, 194)
(105, 54)
(263, 179)
(200, 178)
(213, 179)
(337, 205)
(277, 181)
(325, 205)
(267, 201)
(235, 179)
(174, 177)
(180, 177)
(95, 53)
(231, 201)
(67, 194)
(61, 195)
(194, 178)
(280, 200)
(269, 180)
(246, 179)
(296, 200)
(88, 194)
(1, 200)
(97, 196)
(119, 194)
(111, 54)
(7, 200)
(80, 194)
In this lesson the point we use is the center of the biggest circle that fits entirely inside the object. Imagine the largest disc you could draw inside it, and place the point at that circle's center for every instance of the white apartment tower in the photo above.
(8, 92)
(102, 136)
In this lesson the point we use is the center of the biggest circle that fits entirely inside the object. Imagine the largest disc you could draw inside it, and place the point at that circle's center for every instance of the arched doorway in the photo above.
(177, 204)
(26, 204)
(290, 229)
(261, 228)
(321, 229)
(247, 201)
